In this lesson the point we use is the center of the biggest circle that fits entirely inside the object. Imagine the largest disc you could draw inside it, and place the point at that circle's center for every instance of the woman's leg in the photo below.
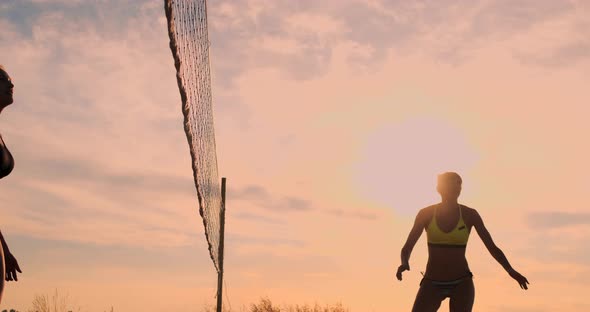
(428, 298)
(463, 296)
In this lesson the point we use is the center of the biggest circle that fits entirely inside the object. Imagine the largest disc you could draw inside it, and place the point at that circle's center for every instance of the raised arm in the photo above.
(413, 237)
(495, 251)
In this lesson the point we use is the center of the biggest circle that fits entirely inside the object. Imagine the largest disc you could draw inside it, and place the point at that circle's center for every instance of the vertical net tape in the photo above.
(189, 42)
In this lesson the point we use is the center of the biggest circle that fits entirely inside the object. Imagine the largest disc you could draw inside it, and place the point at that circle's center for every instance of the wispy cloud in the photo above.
(262, 198)
(352, 214)
(548, 245)
(258, 218)
(274, 32)
(567, 54)
(557, 219)
(252, 240)
(506, 17)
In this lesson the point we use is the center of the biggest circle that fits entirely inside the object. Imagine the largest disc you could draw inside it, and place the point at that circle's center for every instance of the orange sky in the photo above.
(332, 121)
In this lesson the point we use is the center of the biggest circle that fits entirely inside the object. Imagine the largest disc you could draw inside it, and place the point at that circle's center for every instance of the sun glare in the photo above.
(399, 162)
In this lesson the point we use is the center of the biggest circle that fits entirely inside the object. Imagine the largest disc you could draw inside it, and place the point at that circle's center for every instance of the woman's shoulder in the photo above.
(427, 212)
(469, 214)
(468, 208)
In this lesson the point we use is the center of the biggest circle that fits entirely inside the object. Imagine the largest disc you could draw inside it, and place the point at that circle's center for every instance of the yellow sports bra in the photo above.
(456, 238)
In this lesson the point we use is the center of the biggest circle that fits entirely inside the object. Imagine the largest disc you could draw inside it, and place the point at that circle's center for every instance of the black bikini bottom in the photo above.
(446, 287)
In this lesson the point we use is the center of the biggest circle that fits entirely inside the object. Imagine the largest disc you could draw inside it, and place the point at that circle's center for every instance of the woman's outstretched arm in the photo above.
(496, 252)
(11, 265)
(413, 237)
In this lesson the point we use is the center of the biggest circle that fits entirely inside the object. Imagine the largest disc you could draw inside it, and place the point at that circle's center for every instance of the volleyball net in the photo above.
(189, 43)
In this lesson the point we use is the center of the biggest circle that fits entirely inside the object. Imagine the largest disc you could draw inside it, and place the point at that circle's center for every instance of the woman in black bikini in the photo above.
(447, 225)
(8, 264)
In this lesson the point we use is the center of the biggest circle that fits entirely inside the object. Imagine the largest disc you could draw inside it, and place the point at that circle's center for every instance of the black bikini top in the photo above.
(6, 160)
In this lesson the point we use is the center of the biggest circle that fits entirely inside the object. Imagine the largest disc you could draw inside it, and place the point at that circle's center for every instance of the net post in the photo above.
(221, 241)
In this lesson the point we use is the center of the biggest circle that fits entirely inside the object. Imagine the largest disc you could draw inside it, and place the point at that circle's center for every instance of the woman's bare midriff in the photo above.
(446, 263)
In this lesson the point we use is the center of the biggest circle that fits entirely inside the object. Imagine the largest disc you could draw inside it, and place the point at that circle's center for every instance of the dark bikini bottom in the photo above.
(446, 287)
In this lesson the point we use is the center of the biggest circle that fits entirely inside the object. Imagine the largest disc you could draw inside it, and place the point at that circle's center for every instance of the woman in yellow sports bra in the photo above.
(448, 225)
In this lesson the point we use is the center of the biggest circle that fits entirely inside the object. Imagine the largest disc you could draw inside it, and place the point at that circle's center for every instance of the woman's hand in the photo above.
(11, 267)
(522, 281)
(400, 269)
